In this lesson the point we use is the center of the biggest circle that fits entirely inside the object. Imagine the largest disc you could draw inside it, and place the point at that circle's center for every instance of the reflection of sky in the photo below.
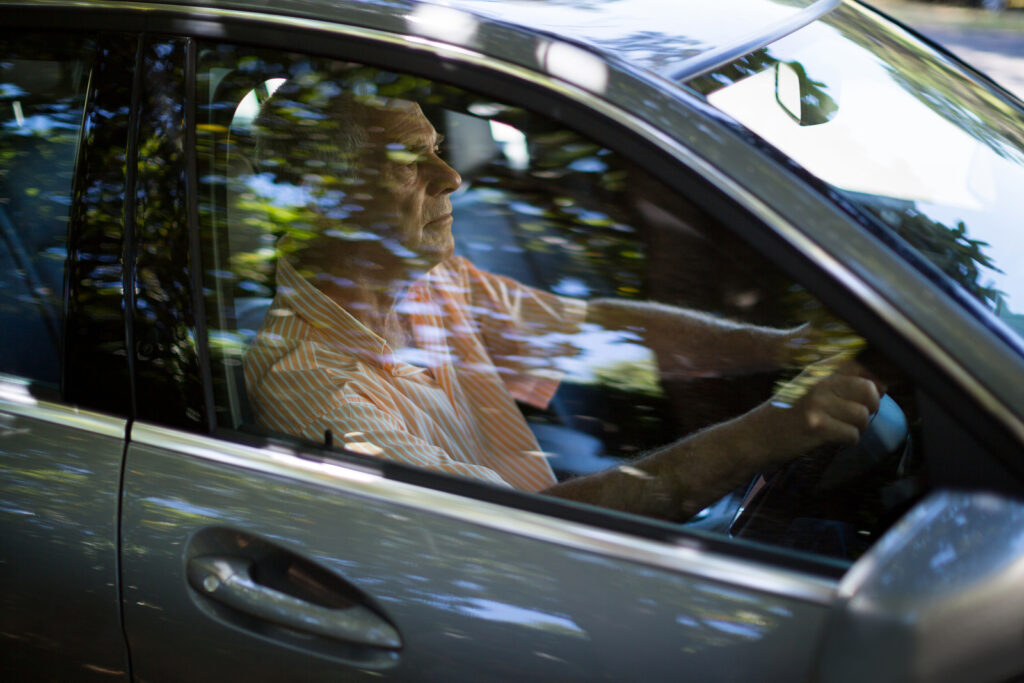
(37, 123)
(653, 32)
(885, 141)
(278, 194)
(597, 348)
(184, 507)
(493, 610)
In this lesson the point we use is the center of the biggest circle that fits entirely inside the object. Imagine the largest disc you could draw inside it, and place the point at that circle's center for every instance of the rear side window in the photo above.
(42, 96)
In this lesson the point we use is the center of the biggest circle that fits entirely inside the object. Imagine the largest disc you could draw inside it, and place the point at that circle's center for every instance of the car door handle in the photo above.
(229, 580)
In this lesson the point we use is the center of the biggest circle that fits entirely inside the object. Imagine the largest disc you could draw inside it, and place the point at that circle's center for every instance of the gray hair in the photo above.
(303, 131)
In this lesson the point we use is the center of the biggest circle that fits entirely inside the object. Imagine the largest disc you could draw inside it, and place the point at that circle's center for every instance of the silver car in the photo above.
(791, 164)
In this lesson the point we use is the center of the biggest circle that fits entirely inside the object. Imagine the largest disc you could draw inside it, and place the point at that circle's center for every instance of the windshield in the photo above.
(903, 133)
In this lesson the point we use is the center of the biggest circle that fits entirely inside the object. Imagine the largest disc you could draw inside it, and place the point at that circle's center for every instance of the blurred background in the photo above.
(987, 34)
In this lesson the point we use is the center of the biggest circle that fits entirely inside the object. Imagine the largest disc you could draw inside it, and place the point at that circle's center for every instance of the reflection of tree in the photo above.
(96, 370)
(164, 313)
(735, 71)
(506, 598)
(955, 254)
(42, 92)
(656, 50)
(940, 88)
(634, 377)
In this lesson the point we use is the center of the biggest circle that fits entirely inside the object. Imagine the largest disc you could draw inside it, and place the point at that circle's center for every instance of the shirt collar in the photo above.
(333, 325)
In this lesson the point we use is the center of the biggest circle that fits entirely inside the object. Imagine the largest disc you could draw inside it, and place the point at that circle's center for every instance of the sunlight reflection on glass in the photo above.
(443, 23)
(513, 145)
(574, 65)
(16, 391)
(493, 610)
(249, 107)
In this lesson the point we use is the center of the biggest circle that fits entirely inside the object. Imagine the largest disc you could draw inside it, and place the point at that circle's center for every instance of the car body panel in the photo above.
(469, 601)
(61, 471)
(654, 35)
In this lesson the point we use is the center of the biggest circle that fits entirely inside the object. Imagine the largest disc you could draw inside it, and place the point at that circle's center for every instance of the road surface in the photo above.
(997, 54)
(991, 43)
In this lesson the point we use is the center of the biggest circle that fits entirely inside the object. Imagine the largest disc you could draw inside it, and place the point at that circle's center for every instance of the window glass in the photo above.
(42, 94)
(409, 271)
(902, 133)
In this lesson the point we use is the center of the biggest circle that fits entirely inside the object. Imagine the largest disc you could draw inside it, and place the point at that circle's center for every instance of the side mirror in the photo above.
(806, 101)
(939, 598)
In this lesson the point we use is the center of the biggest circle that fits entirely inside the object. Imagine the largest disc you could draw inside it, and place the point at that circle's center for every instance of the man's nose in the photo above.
(443, 179)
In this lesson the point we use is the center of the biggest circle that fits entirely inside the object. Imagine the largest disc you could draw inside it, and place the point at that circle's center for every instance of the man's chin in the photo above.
(427, 257)
(437, 250)
(437, 255)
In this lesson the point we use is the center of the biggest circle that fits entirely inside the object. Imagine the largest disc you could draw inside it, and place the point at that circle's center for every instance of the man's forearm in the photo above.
(677, 481)
(690, 340)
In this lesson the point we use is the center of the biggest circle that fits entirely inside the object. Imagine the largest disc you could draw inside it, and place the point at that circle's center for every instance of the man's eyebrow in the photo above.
(427, 146)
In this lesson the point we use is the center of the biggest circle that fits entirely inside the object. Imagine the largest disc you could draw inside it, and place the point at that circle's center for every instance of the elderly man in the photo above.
(404, 351)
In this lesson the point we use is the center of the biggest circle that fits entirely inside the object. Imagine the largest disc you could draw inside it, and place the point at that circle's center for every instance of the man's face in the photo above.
(405, 184)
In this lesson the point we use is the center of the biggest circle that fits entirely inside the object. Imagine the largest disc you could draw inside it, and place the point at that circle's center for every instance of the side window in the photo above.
(414, 272)
(42, 92)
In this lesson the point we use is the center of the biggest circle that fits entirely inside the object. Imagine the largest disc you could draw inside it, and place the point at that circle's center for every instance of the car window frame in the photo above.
(563, 509)
(561, 102)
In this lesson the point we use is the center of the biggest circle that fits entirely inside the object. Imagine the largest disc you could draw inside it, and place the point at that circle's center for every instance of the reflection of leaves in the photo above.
(655, 49)
(955, 254)
(736, 71)
(40, 118)
(633, 376)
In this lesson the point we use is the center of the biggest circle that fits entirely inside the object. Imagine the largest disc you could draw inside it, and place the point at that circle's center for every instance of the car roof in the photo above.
(670, 38)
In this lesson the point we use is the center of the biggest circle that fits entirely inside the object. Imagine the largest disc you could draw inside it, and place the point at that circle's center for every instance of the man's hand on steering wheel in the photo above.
(831, 407)
(830, 403)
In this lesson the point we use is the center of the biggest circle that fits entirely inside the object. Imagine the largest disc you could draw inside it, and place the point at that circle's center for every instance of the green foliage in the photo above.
(951, 249)
(637, 377)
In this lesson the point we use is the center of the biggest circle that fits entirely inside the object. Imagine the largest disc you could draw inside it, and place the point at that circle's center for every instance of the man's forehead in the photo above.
(405, 123)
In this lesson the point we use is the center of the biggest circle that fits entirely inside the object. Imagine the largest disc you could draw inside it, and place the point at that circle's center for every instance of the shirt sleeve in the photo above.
(526, 331)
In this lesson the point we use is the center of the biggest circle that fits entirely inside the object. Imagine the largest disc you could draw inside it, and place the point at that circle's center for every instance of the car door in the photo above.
(64, 381)
(259, 553)
(235, 546)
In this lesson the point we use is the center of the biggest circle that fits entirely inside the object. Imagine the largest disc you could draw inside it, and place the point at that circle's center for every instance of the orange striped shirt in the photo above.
(449, 405)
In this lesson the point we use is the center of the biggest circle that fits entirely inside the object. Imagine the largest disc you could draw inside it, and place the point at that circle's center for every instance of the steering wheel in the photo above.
(833, 505)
